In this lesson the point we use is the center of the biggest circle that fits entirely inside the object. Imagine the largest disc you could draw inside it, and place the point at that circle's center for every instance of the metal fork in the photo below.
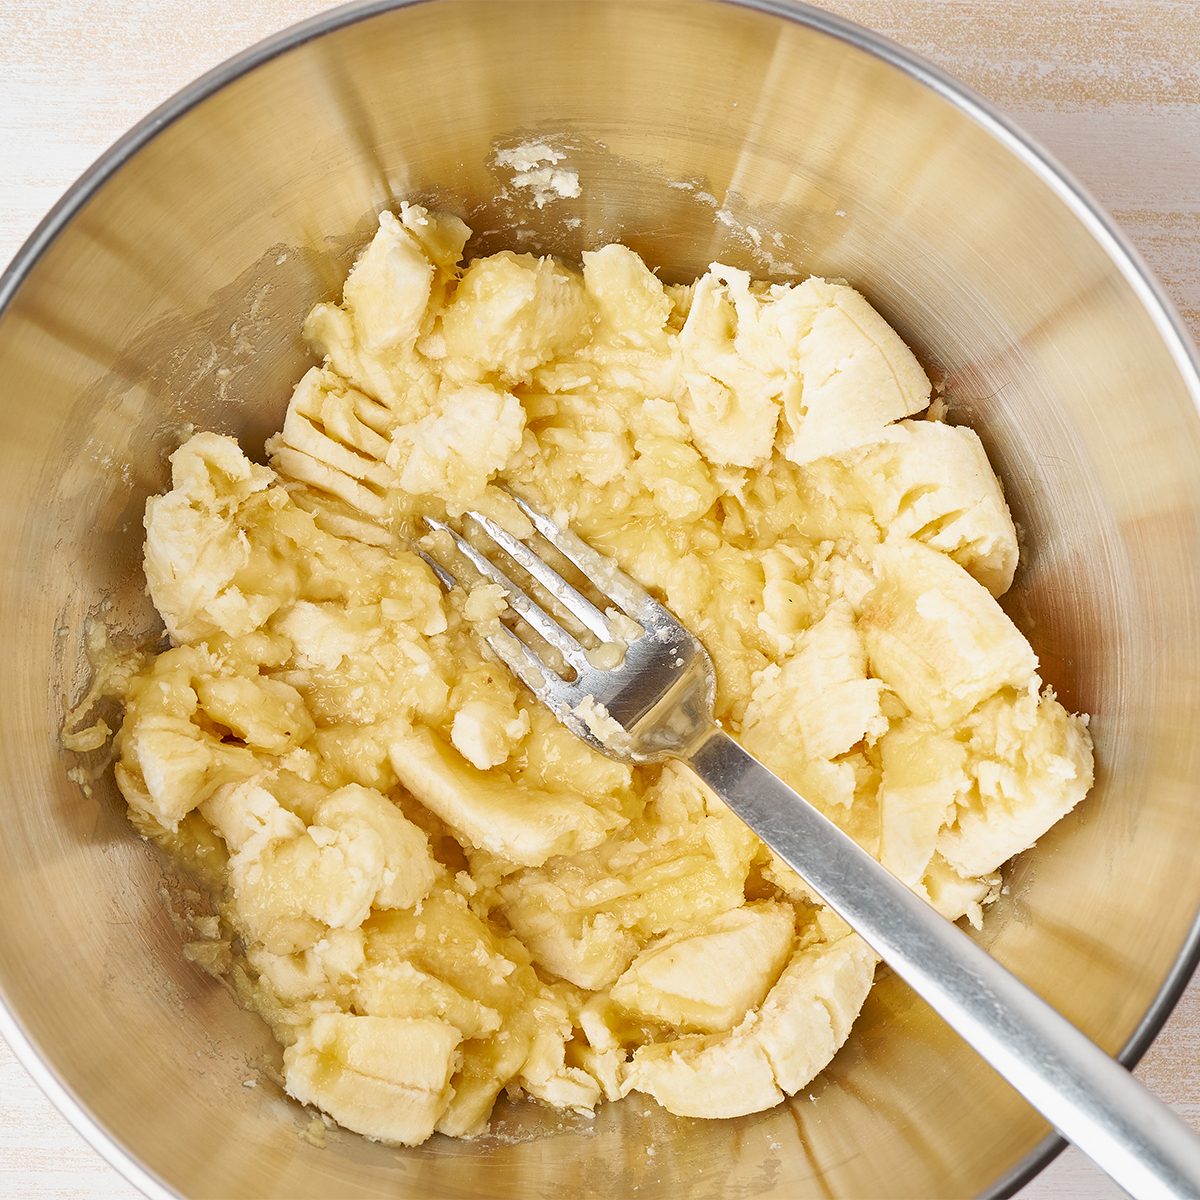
(657, 704)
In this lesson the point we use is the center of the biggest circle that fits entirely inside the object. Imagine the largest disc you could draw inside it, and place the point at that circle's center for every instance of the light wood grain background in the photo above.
(1110, 86)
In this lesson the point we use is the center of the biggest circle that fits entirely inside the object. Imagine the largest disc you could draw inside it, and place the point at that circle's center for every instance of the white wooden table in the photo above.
(1111, 86)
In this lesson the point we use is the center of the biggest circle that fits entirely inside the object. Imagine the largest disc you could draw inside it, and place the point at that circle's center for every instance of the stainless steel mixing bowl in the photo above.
(168, 287)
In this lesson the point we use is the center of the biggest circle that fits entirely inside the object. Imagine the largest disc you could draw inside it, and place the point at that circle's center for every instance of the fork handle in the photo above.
(1088, 1097)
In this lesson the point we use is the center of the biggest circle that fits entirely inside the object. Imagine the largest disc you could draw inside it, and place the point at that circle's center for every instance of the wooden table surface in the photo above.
(1112, 87)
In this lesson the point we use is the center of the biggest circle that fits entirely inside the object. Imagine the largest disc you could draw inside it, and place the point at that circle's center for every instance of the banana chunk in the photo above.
(775, 1051)
(1033, 764)
(684, 859)
(293, 978)
(933, 482)
(398, 989)
(196, 543)
(387, 1078)
(546, 1074)
(267, 714)
(470, 958)
(807, 714)
(819, 702)
(708, 979)
(169, 761)
(409, 869)
(955, 895)
(808, 1014)
(705, 1076)
(855, 377)
(590, 949)
(387, 290)
(731, 399)
(513, 312)
(485, 733)
(924, 774)
(522, 825)
(452, 453)
(937, 637)
(817, 352)
(336, 439)
(293, 882)
(632, 302)
(169, 766)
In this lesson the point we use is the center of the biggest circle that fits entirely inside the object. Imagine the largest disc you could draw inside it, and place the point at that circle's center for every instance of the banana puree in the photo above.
(432, 891)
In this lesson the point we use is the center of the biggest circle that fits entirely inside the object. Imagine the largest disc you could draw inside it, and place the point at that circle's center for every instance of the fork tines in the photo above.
(601, 572)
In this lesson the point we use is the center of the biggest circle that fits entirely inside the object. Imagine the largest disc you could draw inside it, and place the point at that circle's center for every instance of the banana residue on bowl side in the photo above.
(430, 889)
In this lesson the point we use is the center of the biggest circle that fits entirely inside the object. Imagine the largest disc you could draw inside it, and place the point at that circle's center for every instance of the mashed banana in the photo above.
(430, 889)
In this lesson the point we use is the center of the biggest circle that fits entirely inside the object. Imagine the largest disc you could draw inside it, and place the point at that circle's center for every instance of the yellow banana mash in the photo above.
(431, 890)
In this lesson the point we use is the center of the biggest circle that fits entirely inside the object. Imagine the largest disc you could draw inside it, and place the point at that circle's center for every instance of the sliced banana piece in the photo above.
(169, 761)
(684, 859)
(267, 714)
(924, 774)
(590, 949)
(196, 543)
(444, 939)
(335, 439)
(169, 766)
(546, 1074)
(955, 895)
(387, 1078)
(819, 701)
(453, 452)
(511, 313)
(389, 310)
(807, 1016)
(388, 288)
(486, 731)
(731, 402)
(706, 1075)
(294, 882)
(409, 868)
(520, 824)
(932, 481)
(707, 979)
(937, 637)
(328, 965)
(775, 1051)
(399, 989)
(855, 377)
(632, 301)
(1032, 765)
